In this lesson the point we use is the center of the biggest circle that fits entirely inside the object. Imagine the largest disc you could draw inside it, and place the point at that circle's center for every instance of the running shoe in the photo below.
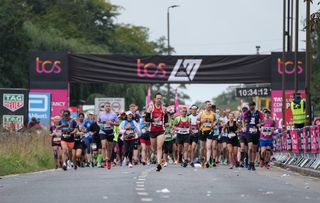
(75, 167)
(253, 168)
(165, 164)
(261, 164)
(143, 163)
(108, 165)
(214, 164)
(207, 165)
(130, 165)
(64, 167)
(267, 166)
(159, 167)
(231, 166)
(237, 164)
(185, 164)
(192, 164)
(249, 167)
(225, 162)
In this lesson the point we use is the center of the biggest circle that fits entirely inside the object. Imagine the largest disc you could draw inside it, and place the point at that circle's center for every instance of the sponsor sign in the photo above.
(117, 104)
(276, 107)
(13, 108)
(13, 122)
(59, 100)
(13, 102)
(40, 107)
(48, 70)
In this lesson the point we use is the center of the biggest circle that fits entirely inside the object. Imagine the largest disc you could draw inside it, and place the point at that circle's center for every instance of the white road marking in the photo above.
(146, 199)
(104, 197)
(143, 193)
(141, 179)
(139, 188)
(140, 185)
(139, 182)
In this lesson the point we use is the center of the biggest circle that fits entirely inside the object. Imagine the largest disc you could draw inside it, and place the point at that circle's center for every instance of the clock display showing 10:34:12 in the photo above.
(252, 92)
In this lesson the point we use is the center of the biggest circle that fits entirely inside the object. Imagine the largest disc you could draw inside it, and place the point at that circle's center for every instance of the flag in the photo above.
(148, 99)
(176, 101)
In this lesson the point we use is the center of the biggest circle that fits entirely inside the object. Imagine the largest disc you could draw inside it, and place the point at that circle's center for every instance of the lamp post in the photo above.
(169, 48)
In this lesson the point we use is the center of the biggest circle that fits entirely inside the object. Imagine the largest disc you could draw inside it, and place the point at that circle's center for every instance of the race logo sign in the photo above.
(12, 122)
(13, 102)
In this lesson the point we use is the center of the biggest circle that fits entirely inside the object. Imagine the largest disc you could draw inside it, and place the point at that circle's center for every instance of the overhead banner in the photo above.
(48, 70)
(170, 69)
(40, 108)
(13, 108)
(276, 73)
(117, 104)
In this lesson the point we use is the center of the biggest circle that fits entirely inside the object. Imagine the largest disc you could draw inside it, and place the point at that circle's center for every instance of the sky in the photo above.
(212, 27)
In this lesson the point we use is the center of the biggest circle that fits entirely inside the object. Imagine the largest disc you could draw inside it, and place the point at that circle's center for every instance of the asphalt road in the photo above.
(174, 184)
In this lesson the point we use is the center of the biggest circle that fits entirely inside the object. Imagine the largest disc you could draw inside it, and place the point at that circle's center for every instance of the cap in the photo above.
(194, 107)
(266, 111)
(90, 113)
(128, 113)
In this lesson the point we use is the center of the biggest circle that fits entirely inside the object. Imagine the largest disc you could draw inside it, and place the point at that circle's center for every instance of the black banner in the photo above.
(172, 69)
(289, 71)
(13, 108)
(48, 70)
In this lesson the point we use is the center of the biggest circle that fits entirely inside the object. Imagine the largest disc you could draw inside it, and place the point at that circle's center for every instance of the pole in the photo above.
(283, 67)
(291, 27)
(288, 26)
(296, 53)
(308, 65)
(169, 52)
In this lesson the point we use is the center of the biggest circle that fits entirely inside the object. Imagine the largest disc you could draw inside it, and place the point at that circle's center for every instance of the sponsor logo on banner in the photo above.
(117, 104)
(185, 70)
(39, 107)
(48, 66)
(13, 102)
(12, 121)
(289, 67)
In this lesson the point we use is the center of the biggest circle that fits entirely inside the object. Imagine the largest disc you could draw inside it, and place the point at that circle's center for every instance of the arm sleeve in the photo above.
(148, 118)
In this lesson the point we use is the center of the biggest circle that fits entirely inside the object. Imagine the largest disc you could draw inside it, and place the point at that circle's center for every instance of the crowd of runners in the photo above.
(208, 137)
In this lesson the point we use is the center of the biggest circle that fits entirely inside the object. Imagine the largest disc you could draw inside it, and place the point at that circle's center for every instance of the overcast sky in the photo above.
(212, 27)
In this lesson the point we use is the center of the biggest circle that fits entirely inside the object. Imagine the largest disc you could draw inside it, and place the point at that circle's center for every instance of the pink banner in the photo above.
(305, 140)
(276, 107)
(295, 141)
(313, 134)
(284, 142)
(59, 100)
(318, 132)
(176, 101)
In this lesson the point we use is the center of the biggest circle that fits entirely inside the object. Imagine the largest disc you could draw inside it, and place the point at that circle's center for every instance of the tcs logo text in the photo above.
(48, 67)
(289, 67)
(151, 70)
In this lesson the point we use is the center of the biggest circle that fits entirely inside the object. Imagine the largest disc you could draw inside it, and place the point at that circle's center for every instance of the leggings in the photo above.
(128, 148)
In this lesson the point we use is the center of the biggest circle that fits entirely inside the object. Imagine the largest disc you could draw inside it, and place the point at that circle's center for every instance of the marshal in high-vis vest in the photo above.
(298, 107)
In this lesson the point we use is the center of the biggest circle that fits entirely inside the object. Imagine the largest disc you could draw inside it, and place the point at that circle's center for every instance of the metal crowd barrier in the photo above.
(298, 147)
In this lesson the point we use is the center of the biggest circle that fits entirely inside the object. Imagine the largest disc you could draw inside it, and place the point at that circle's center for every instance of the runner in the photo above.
(156, 116)
(231, 129)
(168, 141)
(55, 134)
(145, 139)
(107, 120)
(194, 136)
(182, 126)
(207, 121)
(252, 120)
(78, 144)
(129, 129)
(96, 142)
(68, 127)
(266, 139)
(87, 139)
(243, 140)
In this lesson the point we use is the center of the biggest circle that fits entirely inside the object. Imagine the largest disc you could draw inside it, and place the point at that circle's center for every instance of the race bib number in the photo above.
(129, 132)
(253, 130)
(57, 139)
(158, 123)
(231, 135)
(195, 131)
(144, 130)
(167, 135)
(106, 126)
(266, 131)
(183, 131)
(93, 146)
(66, 136)
(207, 125)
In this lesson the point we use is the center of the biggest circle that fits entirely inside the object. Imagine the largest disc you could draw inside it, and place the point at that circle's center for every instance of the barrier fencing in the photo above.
(298, 147)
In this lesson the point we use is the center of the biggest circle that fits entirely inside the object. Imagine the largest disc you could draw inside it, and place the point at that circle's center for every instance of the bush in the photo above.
(26, 151)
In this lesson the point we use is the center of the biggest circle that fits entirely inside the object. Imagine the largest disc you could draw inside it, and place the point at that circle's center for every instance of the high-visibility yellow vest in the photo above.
(298, 113)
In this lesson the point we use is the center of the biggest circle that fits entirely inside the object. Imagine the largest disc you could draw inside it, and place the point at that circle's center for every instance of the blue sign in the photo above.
(40, 108)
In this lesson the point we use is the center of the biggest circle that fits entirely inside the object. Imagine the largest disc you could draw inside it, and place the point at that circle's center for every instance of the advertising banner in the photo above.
(295, 141)
(276, 107)
(13, 108)
(59, 100)
(314, 144)
(276, 71)
(48, 70)
(40, 108)
(117, 104)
